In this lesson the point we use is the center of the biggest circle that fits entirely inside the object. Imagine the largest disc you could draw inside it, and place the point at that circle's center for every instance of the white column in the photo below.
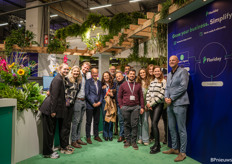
(34, 20)
(103, 63)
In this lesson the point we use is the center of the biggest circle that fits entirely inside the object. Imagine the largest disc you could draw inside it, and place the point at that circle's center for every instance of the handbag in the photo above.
(68, 104)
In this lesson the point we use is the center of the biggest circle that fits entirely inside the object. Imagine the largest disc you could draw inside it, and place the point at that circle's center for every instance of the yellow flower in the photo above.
(12, 65)
(20, 72)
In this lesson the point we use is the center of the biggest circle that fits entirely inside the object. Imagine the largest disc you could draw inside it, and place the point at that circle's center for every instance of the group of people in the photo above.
(122, 98)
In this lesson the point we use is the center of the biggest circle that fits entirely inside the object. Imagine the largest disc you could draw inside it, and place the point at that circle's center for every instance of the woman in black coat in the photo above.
(53, 108)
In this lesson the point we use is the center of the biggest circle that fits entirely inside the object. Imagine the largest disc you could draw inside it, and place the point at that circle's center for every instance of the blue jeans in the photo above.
(121, 122)
(177, 115)
(143, 127)
(107, 126)
(79, 110)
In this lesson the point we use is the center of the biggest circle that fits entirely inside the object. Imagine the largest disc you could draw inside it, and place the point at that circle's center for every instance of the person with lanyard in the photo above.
(131, 102)
(79, 110)
(176, 97)
(107, 87)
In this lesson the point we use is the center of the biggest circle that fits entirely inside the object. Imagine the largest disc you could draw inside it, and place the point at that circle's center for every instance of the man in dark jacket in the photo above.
(131, 102)
(93, 97)
(119, 80)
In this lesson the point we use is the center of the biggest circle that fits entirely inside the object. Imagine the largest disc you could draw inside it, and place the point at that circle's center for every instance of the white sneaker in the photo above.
(66, 151)
(146, 143)
(54, 155)
(140, 142)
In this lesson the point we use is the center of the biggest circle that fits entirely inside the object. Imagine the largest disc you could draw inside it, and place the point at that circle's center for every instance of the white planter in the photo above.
(28, 135)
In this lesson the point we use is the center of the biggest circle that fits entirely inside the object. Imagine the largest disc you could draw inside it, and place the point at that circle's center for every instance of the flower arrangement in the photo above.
(15, 82)
(14, 74)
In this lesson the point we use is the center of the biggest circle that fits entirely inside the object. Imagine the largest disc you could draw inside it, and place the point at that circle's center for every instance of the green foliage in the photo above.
(72, 30)
(34, 96)
(57, 45)
(165, 9)
(135, 16)
(21, 37)
(180, 2)
(15, 74)
(145, 50)
(106, 38)
(28, 97)
(119, 22)
(161, 39)
(121, 39)
(104, 23)
(114, 26)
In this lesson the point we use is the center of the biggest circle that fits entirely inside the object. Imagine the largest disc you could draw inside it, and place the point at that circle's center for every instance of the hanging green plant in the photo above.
(21, 37)
(161, 39)
(135, 16)
(145, 51)
(180, 2)
(165, 9)
(121, 39)
(104, 23)
(57, 45)
(118, 22)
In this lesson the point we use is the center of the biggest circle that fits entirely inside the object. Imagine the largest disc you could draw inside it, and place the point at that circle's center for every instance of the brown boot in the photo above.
(81, 142)
(171, 151)
(89, 141)
(120, 139)
(98, 139)
(180, 157)
(76, 145)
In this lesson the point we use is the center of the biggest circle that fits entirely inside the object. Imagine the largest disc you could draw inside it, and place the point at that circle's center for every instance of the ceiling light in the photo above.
(131, 1)
(51, 16)
(3, 24)
(204, 0)
(169, 18)
(98, 7)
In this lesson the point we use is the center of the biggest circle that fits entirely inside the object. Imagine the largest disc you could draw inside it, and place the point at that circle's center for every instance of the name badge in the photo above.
(132, 97)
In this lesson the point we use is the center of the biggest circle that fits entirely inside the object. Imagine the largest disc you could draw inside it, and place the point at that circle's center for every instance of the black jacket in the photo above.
(55, 102)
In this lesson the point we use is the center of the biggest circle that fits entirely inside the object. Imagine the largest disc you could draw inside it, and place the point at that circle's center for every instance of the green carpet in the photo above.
(110, 152)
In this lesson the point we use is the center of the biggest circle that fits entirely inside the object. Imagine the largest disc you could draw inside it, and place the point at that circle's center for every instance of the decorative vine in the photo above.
(121, 39)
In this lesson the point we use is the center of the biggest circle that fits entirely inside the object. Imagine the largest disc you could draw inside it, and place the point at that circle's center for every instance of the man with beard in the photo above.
(131, 102)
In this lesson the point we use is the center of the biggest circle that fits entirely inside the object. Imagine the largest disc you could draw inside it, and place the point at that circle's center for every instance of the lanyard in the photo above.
(132, 92)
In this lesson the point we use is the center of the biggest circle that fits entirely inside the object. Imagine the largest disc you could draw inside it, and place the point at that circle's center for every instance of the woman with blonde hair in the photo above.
(155, 103)
(72, 87)
(53, 109)
(150, 75)
(143, 126)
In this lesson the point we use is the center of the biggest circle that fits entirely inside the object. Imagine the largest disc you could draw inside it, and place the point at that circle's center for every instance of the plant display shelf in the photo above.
(142, 31)
(33, 49)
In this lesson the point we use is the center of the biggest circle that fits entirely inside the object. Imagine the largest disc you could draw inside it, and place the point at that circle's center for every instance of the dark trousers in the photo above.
(49, 127)
(155, 115)
(95, 114)
(131, 119)
(165, 120)
(66, 126)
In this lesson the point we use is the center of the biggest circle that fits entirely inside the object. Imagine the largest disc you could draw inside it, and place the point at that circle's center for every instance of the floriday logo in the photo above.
(211, 12)
(214, 59)
(204, 60)
(182, 57)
